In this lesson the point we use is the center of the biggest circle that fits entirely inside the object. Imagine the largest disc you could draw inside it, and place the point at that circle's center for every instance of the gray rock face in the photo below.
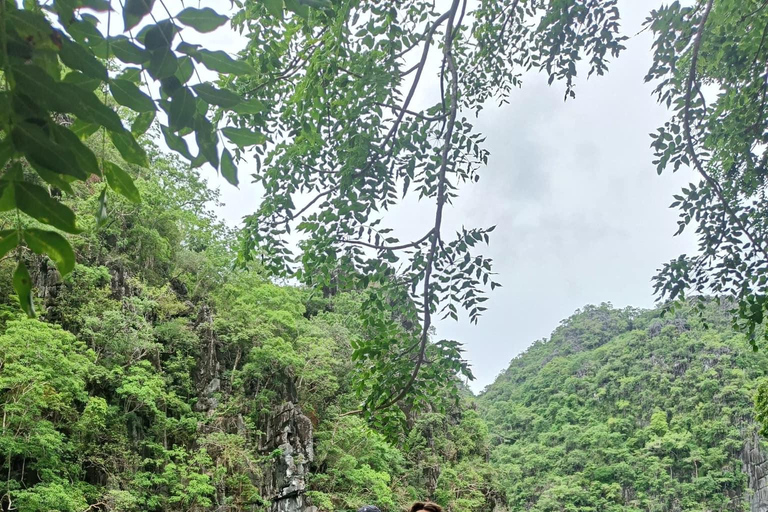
(285, 430)
(755, 465)
(290, 432)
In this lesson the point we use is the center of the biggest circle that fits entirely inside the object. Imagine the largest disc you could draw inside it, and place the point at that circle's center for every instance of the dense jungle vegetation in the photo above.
(108, 401)
(148, 354)
(624, 409)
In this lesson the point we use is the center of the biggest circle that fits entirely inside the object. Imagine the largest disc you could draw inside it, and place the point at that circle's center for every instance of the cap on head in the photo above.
(369, 508)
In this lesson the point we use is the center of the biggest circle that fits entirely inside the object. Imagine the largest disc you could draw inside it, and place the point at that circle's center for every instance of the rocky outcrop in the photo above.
(286, 440)
(755, 465)
(288, 433)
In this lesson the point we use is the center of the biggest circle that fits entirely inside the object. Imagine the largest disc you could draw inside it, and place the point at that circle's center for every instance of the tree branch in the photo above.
(689, 138)
(392, 247)
(441, 199)
(419, 71)
(412, 113)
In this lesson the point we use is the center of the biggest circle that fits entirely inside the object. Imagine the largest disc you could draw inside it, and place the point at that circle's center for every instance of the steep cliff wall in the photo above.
(755, 466)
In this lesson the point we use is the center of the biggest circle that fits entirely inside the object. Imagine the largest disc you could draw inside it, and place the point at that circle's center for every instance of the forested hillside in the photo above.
(625, 409)
(159, 378)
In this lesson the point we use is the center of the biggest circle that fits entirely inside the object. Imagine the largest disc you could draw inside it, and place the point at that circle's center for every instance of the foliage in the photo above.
(153, 390)
(65, 80)
(338, 86)
(709, 66)
(327, 86)
(627, 410)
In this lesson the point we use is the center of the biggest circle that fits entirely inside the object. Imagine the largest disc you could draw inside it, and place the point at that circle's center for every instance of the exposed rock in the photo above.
(289, 432)
(755, 465)
(286, 432)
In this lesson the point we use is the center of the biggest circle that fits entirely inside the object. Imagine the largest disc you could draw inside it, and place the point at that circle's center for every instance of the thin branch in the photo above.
(313, 201)
(410, 70)
(416, 79)
(293, 66)
(441, 199)
(412, 113)
(390, 247)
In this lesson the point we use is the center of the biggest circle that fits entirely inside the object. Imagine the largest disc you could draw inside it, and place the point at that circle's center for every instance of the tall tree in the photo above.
(350, 141)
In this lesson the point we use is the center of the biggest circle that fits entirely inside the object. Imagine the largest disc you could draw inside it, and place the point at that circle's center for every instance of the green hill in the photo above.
(623, 409)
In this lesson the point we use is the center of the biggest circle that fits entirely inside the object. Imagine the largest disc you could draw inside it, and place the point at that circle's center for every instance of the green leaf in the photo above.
(317, 4)
(297, 8)
(80, 80)
(163, 63)
(121, 182)
(9, 239)
(188, 49)
(158, 36)
(168, 86)
(84, 157)
(182, 111)
(176, 143)
(126, 51)
(22, 284)
(59, 181)
(35, 201)
(127, 94)
(134, 11)
(207, 141)
(88, 107)
(54, 245)
(77, 57)
(142, 123)
(131, 74)
(228, 167)
(214, 96)
(33, 28)
(41, 150)
(186, 68)
(6, 151)
(275, 8)
(243, 137)
(252, 106)
(7, 195)
(37, 84)
(129, 149)
(85, 33)
(83, 129)
(221, 62)
(96, 5)
(202, 20)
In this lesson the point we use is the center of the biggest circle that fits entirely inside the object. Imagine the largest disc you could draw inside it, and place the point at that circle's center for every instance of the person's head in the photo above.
(428, 507)
(369, 508)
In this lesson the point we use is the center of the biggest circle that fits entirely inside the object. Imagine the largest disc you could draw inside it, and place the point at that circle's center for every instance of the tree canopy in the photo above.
(709, 64)
(324, 94)
(328, 99)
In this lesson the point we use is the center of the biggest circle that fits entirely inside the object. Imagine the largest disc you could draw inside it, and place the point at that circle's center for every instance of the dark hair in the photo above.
(428, 506)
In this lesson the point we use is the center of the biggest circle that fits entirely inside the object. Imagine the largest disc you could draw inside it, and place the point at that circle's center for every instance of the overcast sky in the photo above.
(582, 217)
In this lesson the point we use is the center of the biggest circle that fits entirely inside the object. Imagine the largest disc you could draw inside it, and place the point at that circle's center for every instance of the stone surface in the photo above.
(290, 432)
(755, 465)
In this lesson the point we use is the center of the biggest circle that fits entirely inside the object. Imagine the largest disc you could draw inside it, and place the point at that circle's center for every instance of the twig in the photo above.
(390, 247)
